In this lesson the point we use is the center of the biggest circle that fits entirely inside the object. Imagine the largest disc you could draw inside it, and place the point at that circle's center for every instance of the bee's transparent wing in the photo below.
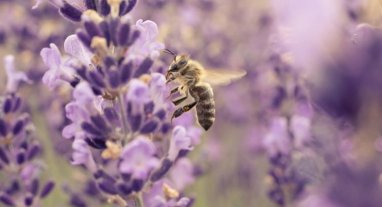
(222, 77)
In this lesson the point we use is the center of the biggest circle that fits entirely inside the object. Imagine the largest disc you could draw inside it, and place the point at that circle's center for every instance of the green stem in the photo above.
(140, 200)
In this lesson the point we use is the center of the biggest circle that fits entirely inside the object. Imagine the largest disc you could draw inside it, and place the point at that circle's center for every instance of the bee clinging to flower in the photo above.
(196, 81)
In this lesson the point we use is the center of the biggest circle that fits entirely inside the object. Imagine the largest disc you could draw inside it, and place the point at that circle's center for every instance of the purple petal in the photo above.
(163, 169)
(138, 159)
(34, 187)
(182, 174)
(51, 56)
(82, 155)
(76, 49)
(149, 127)
(48, 187)
(13, 77)
(138, 91)
(70, 12)
(146, 44)
(3, 128)
(7, 200)
(179, 141)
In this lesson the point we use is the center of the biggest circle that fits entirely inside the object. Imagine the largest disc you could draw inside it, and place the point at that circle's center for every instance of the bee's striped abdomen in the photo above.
(205, 107)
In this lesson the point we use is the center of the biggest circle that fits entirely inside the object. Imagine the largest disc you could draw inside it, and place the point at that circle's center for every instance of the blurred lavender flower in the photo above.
(19, 149)
(278, 139)
(308, 43)
(347, 186)
(14, 77)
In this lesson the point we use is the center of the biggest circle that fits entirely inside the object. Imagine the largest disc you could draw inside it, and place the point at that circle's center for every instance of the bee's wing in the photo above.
(222, 77)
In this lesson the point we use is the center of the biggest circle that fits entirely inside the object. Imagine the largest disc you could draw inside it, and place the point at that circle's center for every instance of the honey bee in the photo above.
(196, 81)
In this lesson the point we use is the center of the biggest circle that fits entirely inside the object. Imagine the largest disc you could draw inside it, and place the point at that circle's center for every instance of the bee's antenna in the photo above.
(169, 52)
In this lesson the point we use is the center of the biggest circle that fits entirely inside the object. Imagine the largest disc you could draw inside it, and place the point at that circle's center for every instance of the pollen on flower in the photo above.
(93, 16)
(116, 199)
(99, 44)
(169, 192)
(96, 60)
(146, 78)
(114, 4)
(113, 151)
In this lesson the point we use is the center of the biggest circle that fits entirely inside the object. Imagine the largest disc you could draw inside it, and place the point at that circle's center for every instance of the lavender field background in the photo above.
(85, 114)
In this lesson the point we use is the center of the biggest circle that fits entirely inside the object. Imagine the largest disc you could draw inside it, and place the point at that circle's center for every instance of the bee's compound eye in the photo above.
(183, 62)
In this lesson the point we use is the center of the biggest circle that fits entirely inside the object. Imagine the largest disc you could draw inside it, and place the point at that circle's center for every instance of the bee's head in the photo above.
(179, 62)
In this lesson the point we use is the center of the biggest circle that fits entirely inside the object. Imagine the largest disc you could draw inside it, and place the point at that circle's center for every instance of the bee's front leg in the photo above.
(170, 77)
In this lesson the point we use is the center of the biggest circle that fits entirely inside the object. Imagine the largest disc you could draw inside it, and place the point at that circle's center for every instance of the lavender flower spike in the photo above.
(14, 77)
(19, 149)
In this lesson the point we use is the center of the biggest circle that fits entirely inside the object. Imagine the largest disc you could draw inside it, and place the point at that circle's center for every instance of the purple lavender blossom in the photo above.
(82, 155)
(146, 44)
(58, 72)
(159, 195)
(74, 47)
(182, 174)
(278, 140)
(180, 141)
(138, 158)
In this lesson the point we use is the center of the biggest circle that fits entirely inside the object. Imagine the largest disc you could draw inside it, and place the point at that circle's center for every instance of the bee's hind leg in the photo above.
(179, 100)
(183, 109)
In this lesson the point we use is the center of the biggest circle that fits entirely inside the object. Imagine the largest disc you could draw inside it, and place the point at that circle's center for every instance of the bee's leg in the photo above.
(183, 109)
(181, 99)
(169, 80)
(174, 90)
(169, 77)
